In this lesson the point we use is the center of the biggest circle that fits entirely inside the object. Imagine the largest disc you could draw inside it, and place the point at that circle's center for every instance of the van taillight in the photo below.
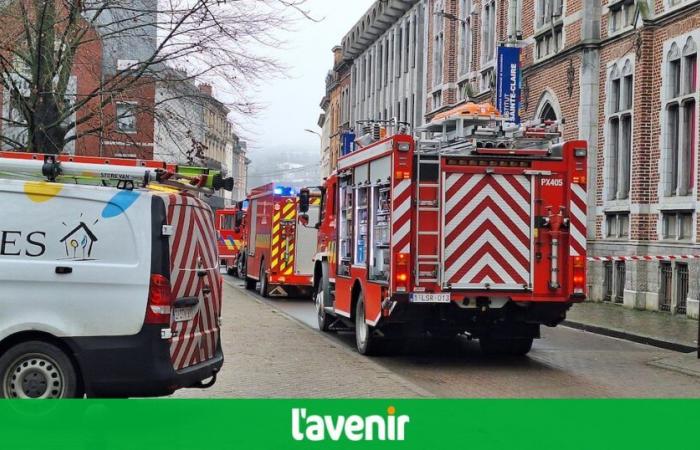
(579, 275)
(160, 300)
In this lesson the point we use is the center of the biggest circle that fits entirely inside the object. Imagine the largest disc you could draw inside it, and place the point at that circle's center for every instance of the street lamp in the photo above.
(314, 132)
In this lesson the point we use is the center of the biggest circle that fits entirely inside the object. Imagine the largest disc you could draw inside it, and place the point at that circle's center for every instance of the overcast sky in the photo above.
(292, 104)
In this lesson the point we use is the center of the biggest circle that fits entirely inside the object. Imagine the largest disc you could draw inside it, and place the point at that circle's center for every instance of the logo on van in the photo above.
(79, 243)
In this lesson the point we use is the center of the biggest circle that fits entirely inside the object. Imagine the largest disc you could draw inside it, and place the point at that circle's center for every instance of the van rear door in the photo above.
(195, 281)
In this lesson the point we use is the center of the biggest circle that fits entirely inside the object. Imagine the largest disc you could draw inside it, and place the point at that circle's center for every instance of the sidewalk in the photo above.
(647, 327)
(269, 355)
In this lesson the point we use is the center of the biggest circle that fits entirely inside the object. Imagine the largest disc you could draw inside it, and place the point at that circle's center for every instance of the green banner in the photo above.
(351, 424)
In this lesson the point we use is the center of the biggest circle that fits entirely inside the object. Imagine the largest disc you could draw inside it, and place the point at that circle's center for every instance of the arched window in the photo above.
(680, 111)
(547, 112)
(618, 139)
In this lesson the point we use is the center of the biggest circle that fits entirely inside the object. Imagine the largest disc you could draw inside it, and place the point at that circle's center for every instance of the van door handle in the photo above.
(206, 290)
(63, 270)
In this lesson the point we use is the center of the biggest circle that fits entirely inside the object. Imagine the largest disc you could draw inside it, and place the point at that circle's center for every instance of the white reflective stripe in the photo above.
(474, 226)
(376, 320)
(402, 209)
(576, 211)
(462, 192)
(401, 233)
(578, 237)
(488, 237)
(401, 188)
(475, 202)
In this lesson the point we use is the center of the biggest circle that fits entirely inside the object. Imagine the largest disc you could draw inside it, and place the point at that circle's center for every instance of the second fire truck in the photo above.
(477, 228)
(280, 246)
(230, 234)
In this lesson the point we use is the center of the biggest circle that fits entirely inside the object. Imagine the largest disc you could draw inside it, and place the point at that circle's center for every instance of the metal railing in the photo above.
(681, 288)
(620, 275)
(665, 286)
(607, 281)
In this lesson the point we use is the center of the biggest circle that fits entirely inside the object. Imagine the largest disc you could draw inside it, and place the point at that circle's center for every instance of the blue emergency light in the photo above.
(286, 191)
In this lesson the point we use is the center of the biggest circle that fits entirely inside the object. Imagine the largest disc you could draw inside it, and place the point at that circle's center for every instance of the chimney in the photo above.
(337, 54)
(205, 88)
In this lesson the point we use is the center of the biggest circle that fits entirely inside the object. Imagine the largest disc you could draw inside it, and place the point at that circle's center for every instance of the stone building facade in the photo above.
(620, 74)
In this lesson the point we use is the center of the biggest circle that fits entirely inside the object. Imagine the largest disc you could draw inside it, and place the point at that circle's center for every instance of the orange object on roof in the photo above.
(469, 109)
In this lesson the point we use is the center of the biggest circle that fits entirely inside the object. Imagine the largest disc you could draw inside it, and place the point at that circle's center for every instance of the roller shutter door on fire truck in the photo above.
(487, 239)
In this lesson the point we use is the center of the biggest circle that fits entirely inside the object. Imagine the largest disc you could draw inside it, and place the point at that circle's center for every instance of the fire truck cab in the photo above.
(280, 247)
(478, 228)
(230, 237)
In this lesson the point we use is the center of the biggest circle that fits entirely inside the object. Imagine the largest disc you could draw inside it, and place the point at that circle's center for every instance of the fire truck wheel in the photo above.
(509, 347)
(264, 286)
(322, 292)
(364, 334)
(240, 268)
(37, 369)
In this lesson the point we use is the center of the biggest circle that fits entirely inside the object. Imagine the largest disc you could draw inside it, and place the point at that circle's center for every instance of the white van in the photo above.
(106, 292)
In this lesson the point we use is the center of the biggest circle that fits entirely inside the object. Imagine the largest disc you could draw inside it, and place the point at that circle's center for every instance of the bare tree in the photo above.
(122, 48)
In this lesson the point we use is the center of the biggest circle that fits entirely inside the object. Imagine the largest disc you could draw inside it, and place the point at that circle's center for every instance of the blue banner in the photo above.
(508, 83)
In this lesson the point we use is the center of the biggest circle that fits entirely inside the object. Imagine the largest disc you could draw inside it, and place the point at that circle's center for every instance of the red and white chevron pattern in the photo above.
(577, 229)
(487, 234)
(193, 247)
(401, 228)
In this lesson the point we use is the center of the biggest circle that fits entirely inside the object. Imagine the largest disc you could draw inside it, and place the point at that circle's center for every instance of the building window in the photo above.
(622, 15)
(488, 80)
(681, 118)
(465, 37)
(619, 137)
(488, 32)
(439, 43)
(437, 100)
(677, 225)
(126, 117)
(550, 26)
(681, 288)
(617, 225)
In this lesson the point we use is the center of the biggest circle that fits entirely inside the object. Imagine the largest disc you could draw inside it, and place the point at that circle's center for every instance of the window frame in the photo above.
(679, 179)
(117, 119)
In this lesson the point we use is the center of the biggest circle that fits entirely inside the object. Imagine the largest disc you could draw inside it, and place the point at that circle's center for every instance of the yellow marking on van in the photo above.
(41, 191)
(274, 263)
(287, 207)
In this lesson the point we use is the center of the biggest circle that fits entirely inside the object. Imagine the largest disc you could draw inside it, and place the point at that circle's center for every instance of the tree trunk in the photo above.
(47, 137)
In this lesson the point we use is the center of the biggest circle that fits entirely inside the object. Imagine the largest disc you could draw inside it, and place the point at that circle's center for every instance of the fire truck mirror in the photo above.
(304, 199)
(239, 219)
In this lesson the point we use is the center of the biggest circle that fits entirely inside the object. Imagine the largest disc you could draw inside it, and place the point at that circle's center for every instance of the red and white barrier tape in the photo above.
(642, 258)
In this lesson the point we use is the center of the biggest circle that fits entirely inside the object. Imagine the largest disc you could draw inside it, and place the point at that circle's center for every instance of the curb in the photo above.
(619, 334)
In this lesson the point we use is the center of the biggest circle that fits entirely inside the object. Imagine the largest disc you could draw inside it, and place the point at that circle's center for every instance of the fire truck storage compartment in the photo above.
(305, 243)
(253, 226)
(365, 220)
(488, 223)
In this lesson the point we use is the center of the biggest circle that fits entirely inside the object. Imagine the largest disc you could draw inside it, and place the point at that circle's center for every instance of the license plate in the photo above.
(430, 298)
(184, 314)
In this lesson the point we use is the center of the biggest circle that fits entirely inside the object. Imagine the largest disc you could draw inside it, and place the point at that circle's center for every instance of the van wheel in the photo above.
(365, 339)
(264, 287)
(37, 369)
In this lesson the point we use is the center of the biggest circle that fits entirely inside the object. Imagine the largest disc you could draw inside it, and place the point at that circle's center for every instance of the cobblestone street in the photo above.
(274, 350)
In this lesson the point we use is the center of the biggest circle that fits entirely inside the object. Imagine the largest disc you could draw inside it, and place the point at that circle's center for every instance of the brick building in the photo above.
(621, 74)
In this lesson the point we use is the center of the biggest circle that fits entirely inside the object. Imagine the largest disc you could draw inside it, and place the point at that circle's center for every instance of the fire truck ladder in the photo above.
(427, 242)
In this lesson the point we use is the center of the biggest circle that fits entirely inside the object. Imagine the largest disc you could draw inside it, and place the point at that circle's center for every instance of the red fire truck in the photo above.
(230, 235)
(476, 228)
(281, 248)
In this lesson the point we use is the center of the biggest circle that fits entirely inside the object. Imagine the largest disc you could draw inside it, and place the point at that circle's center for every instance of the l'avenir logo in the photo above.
(313, 427)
